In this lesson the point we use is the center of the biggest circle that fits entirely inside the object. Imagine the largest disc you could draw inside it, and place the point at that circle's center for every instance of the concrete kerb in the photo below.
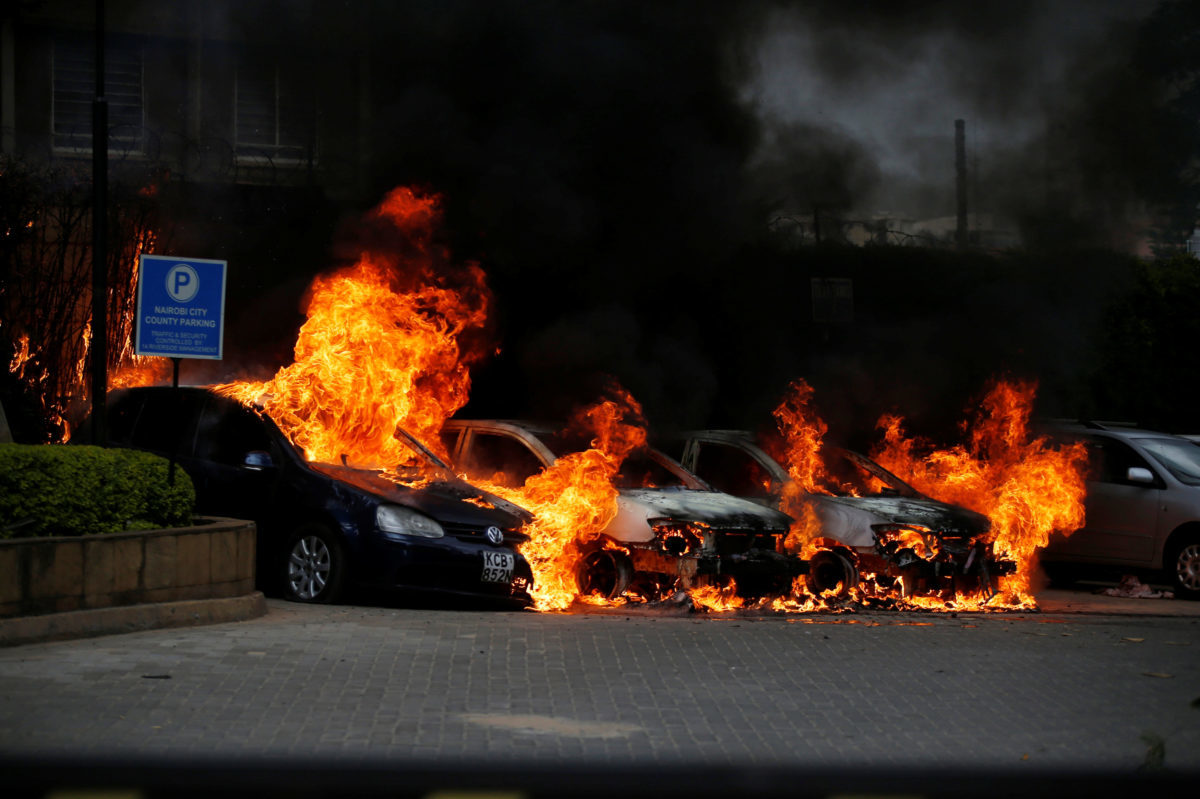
(130, 618)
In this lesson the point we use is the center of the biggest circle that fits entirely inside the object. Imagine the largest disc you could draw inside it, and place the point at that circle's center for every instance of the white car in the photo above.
(671, 527)
(1142, 507)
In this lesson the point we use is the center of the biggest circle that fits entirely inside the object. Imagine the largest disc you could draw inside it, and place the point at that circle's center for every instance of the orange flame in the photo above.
(140, 370)
(717, 599)
(1025, 485)
(384, 345)
(574, 500)
(20, 357)
(801, 430)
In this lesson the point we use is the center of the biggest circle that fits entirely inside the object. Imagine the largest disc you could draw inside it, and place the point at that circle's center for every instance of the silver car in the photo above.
(1143, 505)
(671, 527)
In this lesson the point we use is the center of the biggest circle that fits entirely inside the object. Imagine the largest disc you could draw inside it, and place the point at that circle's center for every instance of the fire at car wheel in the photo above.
(828, 571)
(1184, 568)
(604, 572)
(315, 566)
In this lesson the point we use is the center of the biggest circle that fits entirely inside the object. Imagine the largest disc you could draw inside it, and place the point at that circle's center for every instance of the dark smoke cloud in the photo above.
(1048, 91)
(615, 166)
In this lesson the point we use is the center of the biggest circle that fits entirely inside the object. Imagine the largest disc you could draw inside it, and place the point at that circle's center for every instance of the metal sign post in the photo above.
(180, 312)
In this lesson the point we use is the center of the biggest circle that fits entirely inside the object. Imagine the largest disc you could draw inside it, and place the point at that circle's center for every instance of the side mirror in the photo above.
(1140, 474)
(257, 460)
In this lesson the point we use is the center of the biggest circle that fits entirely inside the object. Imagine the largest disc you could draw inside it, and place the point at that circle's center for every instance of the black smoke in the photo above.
(616, 168)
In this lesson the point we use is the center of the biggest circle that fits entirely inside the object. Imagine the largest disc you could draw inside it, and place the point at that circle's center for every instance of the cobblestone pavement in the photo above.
(876, 690)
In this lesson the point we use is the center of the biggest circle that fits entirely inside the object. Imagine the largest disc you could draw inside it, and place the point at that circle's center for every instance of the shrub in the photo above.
(50, 490)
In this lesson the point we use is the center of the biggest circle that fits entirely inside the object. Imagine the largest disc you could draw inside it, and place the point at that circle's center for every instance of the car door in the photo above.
(226, 485)
(165, 422)
(1121, 515)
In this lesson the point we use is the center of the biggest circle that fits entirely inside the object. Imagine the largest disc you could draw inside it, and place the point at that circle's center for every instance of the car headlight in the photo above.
(394, 520)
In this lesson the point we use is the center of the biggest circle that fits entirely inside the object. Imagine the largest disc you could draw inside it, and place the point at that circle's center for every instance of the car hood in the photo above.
(449, 500)
(636, 506)
(849, 519)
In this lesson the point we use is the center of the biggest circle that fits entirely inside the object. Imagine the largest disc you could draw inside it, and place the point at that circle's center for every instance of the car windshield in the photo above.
(640, 469)
(417, 462)
(1179, 457)
(849, 474)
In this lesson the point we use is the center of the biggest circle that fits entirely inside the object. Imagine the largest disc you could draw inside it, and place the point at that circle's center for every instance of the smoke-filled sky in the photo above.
(614, 167)
(884, 82)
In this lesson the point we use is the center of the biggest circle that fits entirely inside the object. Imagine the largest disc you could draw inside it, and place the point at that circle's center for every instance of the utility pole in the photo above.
(960, 167)
(99, 242)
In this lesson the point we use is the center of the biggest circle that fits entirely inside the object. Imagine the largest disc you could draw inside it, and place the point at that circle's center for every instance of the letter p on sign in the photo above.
(182, 282)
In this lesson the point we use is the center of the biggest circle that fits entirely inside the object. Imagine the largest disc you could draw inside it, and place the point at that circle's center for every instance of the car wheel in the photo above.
(828, 571)
(1183, 568)
(604, 572)
(314, 566)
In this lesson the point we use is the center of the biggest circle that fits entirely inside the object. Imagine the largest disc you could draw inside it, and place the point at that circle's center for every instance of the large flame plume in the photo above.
(799, 450)
(1028, 486)
(574, 499)
(388, 342)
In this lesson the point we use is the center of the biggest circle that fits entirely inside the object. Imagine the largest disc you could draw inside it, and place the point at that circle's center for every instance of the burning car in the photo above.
(323, 527)
(870, 521)
(671, 528)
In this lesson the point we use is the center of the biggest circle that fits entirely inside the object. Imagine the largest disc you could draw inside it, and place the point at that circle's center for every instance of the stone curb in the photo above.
(130, 618)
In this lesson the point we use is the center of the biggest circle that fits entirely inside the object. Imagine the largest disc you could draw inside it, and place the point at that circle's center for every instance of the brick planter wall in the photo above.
(212, 559)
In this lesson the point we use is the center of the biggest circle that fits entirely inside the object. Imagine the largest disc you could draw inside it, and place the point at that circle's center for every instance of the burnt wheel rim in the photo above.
(1187, 567)
(829, 571)
(309, 564)
(600, 573)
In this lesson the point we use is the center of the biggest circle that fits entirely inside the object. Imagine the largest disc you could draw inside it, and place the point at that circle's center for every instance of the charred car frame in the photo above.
(879, 525)
(671, 529)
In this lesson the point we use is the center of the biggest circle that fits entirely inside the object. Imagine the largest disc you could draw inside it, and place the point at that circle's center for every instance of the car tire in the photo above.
(1183, 567)
(604, 572)
(828, 570)
(314, 566)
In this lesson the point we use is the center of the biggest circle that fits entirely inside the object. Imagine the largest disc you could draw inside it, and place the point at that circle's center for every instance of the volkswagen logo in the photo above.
(494, 535)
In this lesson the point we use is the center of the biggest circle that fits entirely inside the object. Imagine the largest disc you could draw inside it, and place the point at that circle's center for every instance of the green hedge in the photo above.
(51, 489)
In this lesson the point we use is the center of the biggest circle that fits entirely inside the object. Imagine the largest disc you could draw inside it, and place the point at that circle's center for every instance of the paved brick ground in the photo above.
(355, 684)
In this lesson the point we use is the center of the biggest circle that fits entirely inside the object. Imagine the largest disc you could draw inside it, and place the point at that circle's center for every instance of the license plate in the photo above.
(498, 567)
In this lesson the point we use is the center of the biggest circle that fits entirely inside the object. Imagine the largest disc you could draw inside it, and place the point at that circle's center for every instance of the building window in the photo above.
(73, 65)
(274, 115)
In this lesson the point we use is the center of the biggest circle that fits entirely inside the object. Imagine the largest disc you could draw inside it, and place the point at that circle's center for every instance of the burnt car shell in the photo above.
(678, 529)
(243, 466)
(870, 527)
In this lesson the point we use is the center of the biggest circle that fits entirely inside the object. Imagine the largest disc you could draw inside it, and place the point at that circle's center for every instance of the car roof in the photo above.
(718, 435)
(161, 389)
(1111, 429)
(541, 428)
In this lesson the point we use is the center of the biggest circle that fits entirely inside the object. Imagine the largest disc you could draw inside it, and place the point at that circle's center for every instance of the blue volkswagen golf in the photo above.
(323, 528)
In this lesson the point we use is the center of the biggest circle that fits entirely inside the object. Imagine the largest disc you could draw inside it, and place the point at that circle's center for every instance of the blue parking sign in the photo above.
(180, 307)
